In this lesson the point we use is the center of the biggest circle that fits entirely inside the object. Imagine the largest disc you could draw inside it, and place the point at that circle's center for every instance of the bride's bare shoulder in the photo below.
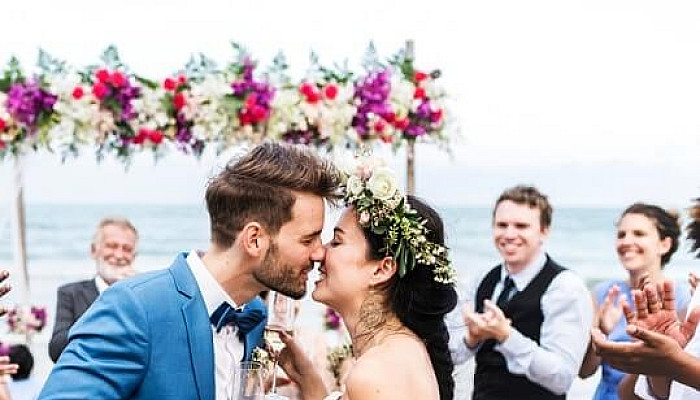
(377, 372)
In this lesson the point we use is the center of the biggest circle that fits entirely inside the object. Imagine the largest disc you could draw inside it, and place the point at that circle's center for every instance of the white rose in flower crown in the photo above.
(355, 185)
(382, 184)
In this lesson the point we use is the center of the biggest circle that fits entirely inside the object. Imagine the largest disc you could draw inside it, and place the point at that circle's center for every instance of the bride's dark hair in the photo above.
(420, 302)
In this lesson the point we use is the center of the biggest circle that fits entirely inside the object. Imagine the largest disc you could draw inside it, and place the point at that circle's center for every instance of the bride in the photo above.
(386, 272)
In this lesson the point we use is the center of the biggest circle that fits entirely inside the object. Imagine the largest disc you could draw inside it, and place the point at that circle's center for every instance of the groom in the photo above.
(178, 333)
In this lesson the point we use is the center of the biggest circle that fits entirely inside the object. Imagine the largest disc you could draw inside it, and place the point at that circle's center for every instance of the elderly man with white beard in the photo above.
(113, 248)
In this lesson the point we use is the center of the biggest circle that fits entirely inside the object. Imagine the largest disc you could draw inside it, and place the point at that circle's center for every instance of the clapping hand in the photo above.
(656, 312)
(491, 324)
(657, 330)
(610, 311)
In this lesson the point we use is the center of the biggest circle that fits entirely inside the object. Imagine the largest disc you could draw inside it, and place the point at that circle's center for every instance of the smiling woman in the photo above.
(647, 238)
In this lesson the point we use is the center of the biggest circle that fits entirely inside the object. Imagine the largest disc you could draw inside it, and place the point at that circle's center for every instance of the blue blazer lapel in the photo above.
(198, 326)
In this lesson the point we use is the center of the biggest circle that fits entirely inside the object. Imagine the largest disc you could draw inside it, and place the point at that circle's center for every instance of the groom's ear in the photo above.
(384, 270)
(253, 239)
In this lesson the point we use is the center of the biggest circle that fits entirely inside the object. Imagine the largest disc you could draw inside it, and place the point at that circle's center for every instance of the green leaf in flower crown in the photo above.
(110, 58)
(379, 230)
(50, 64)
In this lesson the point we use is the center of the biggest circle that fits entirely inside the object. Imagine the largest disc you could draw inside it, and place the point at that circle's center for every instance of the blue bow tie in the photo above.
(245, 319)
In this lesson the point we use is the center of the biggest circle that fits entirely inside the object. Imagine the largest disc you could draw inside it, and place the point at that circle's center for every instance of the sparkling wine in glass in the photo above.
(281, 314)
(248, 381)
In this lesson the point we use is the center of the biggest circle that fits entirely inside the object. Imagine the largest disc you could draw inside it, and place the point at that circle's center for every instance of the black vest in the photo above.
(492, 379)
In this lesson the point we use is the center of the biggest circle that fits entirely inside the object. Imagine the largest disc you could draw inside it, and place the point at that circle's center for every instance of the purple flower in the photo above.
(27, 102)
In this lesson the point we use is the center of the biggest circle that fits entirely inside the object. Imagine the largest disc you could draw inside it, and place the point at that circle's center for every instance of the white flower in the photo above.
(355, 185)
(382, 184)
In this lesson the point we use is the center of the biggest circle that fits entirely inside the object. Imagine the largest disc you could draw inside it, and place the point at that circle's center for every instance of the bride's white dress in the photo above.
(334, 396)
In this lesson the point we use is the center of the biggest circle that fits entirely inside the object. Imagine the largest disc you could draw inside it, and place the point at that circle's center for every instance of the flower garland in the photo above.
(117, 112)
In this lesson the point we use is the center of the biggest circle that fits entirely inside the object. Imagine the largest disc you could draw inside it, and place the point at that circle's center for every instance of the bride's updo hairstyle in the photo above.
(419, 301)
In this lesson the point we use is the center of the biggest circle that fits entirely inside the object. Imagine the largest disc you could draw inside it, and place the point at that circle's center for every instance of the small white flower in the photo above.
(382, 184)
(355, 185)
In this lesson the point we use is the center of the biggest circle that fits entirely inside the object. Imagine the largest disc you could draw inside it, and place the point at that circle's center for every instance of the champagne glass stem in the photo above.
(273, 389)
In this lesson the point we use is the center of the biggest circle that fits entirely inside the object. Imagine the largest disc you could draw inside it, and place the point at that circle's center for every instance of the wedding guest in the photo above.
(667, 349)
(647, 238)
(532, 320)
(113, 249)
(178, 333)
(23, 386)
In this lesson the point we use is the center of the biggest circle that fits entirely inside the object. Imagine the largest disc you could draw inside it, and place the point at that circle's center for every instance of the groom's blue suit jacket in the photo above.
(144, 338)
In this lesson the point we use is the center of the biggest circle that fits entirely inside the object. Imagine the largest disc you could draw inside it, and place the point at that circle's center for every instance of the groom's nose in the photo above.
(318, 253)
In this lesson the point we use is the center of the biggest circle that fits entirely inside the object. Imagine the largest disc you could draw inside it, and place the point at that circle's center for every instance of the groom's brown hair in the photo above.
(260, 187)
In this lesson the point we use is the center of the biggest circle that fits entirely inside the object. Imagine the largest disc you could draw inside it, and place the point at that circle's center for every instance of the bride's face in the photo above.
(345, 272)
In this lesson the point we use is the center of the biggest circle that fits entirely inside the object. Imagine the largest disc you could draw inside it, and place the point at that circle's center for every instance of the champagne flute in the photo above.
(280, 319)
(248, 378)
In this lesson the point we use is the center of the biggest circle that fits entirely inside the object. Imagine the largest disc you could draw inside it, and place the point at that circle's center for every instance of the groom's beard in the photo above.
(280, 277)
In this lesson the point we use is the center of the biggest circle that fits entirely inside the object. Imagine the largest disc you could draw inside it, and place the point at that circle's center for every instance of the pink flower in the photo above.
(100, 90)
(169, 84)
(330, 91)
(419, 76)
(78, 93)
(102, 75)
(117, 79)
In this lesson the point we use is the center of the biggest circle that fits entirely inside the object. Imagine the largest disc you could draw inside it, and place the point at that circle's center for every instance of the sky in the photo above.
(596, 102)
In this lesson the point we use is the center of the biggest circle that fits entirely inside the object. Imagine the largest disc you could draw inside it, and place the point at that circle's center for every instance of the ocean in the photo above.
(58, 242)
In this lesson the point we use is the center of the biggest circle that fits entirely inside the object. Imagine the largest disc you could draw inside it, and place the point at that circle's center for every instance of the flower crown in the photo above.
(370, 187)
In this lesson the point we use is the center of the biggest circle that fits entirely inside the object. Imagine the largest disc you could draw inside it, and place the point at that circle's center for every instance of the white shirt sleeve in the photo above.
(565, 332)
(455, 323)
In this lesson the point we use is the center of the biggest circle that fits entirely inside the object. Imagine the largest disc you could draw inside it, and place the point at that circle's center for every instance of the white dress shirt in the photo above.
(228, 348)
(678, 390)
(568, 313)
(101, 284)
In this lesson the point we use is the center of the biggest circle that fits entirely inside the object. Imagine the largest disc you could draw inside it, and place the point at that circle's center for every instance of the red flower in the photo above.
(310, 93)
(102, 75)
(141, 136)
(251, 100)
(402, 123)
(182, 79)
(78, 93)
(117, 79)
(100, 90)
(2, 125)
(419, 76)
(179, 101)
(419, 93)
(258, 113)
(379, 126)
(156, 137)
(390, 117)
(330, 91)
(436, 116)
(170, 84)
(313, 98)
